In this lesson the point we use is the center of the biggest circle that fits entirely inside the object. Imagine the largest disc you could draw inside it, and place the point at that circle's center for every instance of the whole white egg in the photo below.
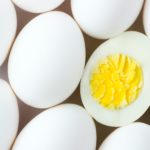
(47, 60)
(9, 116)
(64, 127)
(38, 6)
(135, 136)
(116, 81)
(8, 25)
(104, 19)
(146, 17)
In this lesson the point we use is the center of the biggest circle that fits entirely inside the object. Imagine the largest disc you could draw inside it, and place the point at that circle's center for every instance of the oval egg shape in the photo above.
(38, 6)
(115, 84)
(146, 17)
(64, 127)
(105, 19)
(47, 60)
(135, 136)
(8, 27)
(9, 116)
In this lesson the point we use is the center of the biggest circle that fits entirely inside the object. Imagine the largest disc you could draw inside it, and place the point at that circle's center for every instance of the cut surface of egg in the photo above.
(135, 136)
(115, 84)
(7, 28)
(146, 17)
(38, 6)
(47, 60)
(9, 116)
(64, 127)
(104, 19)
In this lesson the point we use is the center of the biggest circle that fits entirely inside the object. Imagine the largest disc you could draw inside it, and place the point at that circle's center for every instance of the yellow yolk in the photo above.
(116, 82)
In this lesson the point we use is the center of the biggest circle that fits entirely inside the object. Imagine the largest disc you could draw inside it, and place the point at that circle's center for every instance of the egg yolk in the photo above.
(116, 81)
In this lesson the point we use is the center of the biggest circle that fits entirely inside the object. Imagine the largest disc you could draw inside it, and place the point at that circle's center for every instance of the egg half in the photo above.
(104, 19)
(47, 60)
(38, 6)
(64, 127)
(9, 116)
(135, 136)
(8, 25)
(146, 17)
(116, 81)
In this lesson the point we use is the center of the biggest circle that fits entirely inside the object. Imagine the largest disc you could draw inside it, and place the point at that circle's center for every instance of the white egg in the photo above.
(104, 19)
(7, 28)
(135, 136)
(38, 6)
(116, 82)
(47, 60)
(146, 17)
(9, 116)
(64, 127)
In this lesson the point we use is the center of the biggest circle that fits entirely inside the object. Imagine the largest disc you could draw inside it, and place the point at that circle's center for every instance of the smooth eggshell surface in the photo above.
(64, 127)
(8, 25)
(133, 137)
(104, 19)
(146, 17)
(9, 116)
(47, 60)
(38, 6)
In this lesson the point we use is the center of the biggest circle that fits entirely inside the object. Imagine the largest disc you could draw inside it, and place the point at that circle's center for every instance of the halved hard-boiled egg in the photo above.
(116, 82)
(135, 136)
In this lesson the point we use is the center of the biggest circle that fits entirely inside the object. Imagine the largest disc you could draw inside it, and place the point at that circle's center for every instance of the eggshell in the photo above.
(64, 127)
(132, 137)
(146, 17)
(135, 45)
(38, 6)
(9, 116)
(104, 19)
(8, 25)
(47, 60)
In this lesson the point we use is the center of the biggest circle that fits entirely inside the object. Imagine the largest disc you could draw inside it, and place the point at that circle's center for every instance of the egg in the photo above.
(38, 6)
(135, 136)
(103, 19)
(47, 60)
(64, 127)
(146, 17)
(7, 28)
(9, 116)
(115, 84)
